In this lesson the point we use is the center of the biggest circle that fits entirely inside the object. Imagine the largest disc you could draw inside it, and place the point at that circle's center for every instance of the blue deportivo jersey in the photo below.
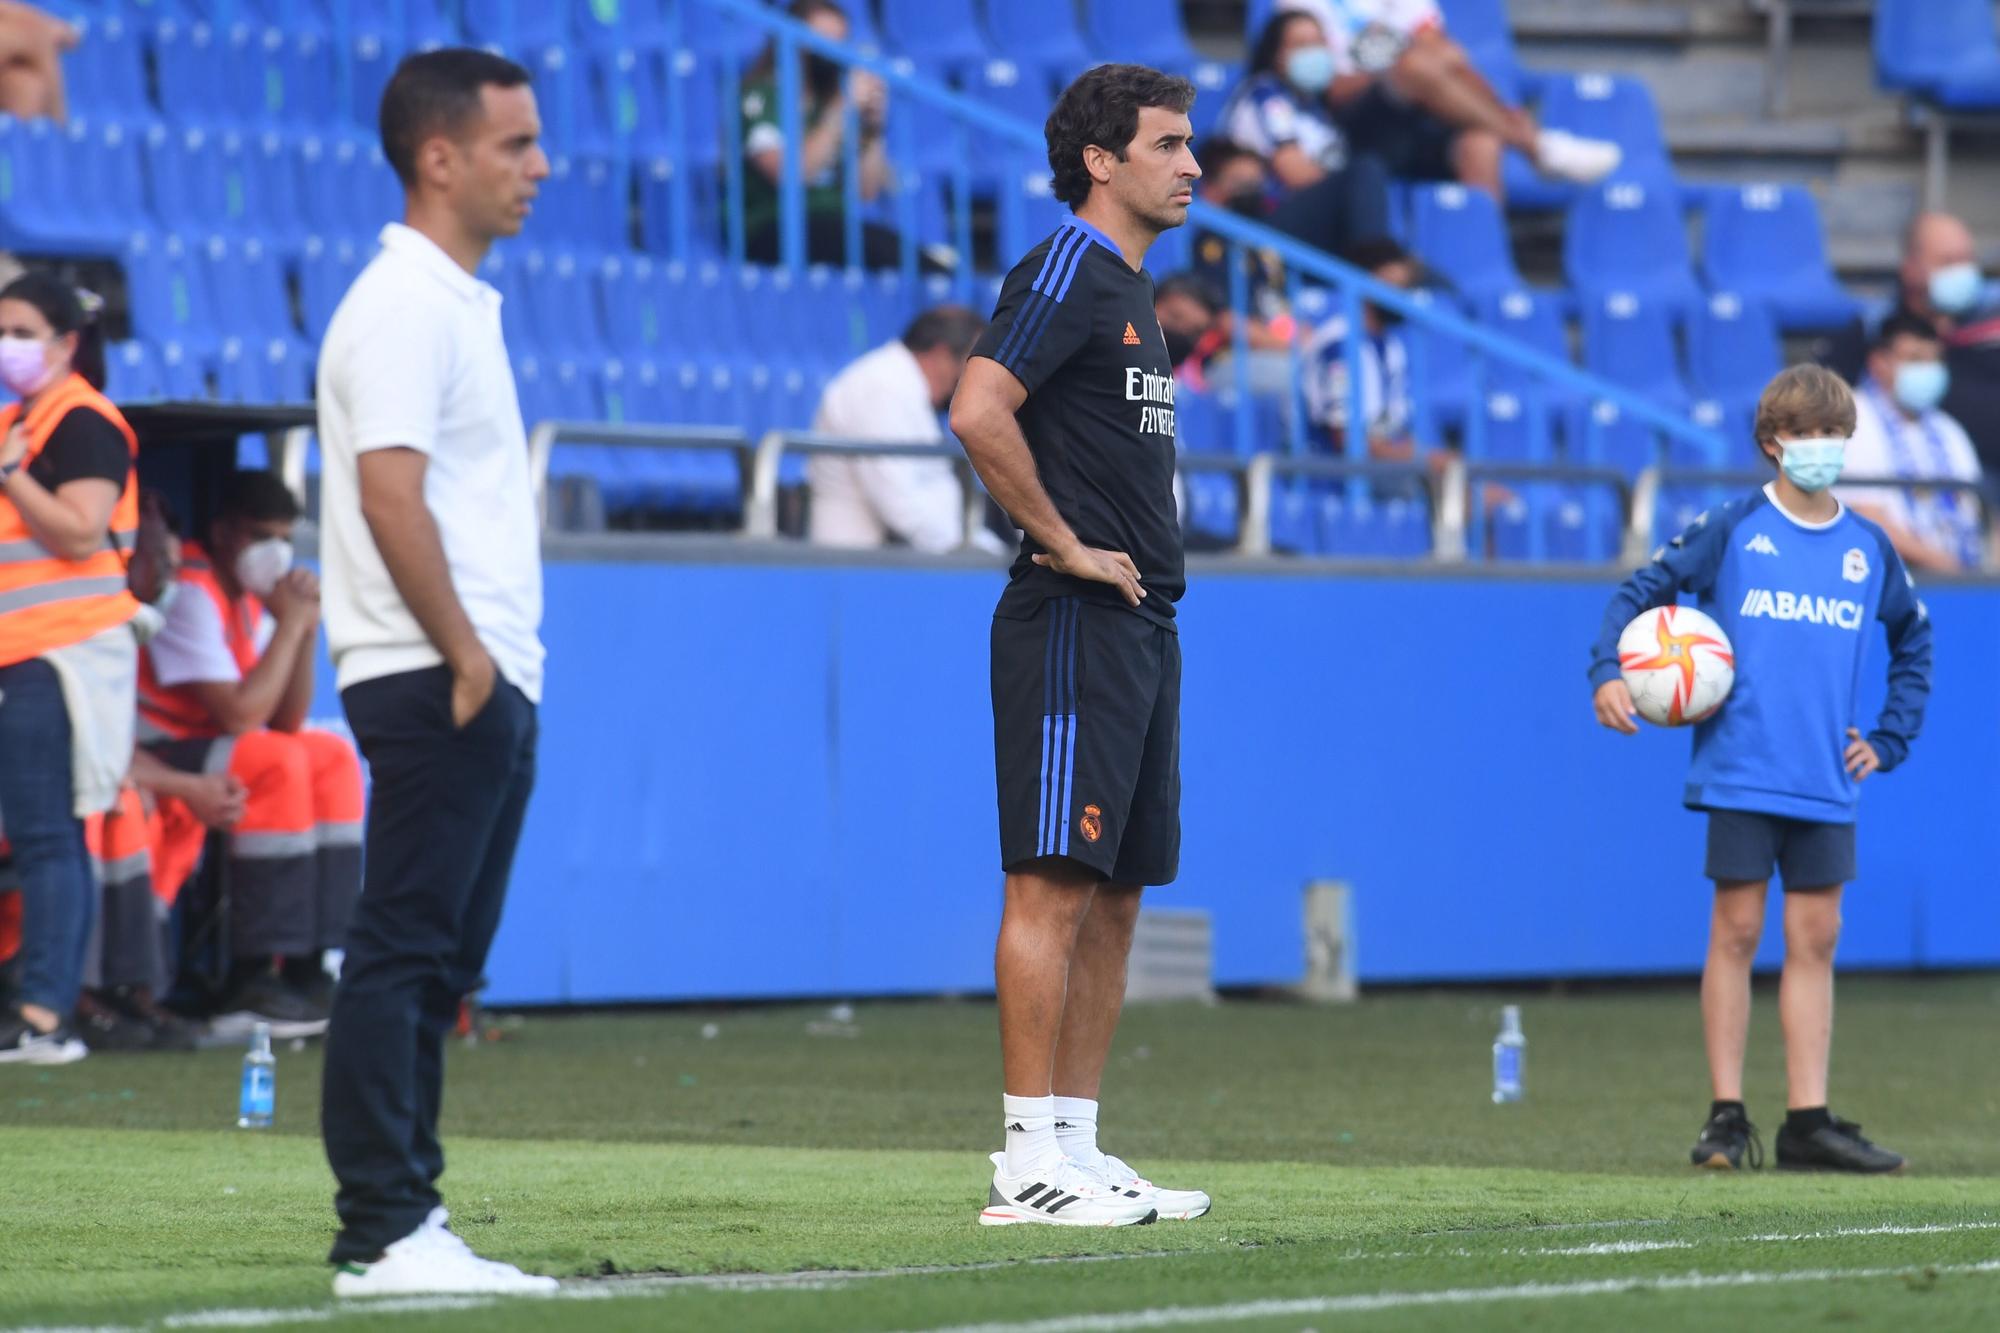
(1797, 601)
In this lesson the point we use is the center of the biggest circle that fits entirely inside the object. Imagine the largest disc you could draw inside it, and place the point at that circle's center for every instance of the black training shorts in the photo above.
(1087, 740)
(1744, 845)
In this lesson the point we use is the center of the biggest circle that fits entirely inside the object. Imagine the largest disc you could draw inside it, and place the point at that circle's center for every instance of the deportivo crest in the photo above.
(1854, 566)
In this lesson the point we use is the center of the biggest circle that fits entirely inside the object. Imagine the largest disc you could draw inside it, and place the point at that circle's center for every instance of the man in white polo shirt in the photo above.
(433, 599)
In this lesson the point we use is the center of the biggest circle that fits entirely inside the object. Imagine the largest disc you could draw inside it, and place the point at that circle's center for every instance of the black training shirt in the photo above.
(1075, 325)
(83, 444)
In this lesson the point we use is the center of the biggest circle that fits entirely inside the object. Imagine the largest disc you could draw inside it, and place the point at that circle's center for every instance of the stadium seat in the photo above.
(1296, 520)
(1040, 35)
(329, 188)
(262, 370)
(1597, 106)
(1733, 349)
(1145, 32)
(1631, 343)
(1535, 318)
(327, 268)
(191, 65)
(132, 373)
(1513, 432)
(635, 303)
(37, 208)
(511, 25)
(1765, 242)
(1602, 435)
(168, 292)
(1733, 425)
(1461, 233)
(1627, 236)
(1482, 28)
(106, 74)
(247, 286)
(941, 36)
(1441, 369)
(1943, 50)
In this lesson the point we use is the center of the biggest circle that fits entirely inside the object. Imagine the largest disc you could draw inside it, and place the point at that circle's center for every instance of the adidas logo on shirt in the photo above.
(1131, 335)
(1761, 544)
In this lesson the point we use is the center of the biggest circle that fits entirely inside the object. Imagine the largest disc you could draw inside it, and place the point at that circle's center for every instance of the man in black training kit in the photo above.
(1067, 411)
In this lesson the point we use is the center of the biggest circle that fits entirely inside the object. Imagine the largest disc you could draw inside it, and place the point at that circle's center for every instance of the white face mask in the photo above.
(262, 564)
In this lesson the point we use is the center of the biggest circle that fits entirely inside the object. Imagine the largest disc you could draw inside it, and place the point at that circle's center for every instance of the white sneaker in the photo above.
(1571, 157)
(1174, 1205)
(1068, 1196)
(433, 1260)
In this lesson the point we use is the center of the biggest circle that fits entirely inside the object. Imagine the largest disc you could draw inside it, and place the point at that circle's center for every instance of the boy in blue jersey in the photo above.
(1795, 579)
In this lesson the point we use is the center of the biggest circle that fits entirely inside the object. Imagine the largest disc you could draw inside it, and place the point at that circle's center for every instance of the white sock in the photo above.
(1031, 1134)
(1076, 1129)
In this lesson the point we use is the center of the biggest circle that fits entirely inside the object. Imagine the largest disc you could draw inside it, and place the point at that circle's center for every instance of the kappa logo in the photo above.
(1092, 823)
(1131, 335)
(1761, 544)
(1854, 566)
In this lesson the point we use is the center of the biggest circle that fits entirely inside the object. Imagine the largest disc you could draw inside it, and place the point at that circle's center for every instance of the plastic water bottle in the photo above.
(1510, 1055)
(260, 1082)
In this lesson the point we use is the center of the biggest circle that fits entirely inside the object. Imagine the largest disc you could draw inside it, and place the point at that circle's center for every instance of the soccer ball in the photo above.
(1678, 665)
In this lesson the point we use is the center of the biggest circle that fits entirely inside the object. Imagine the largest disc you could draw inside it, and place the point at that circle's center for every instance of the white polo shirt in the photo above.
(1887, 443)
(414, 358)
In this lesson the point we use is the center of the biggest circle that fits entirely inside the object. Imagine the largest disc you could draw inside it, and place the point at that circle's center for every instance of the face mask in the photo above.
(1921, 385)
(262, 564)
(1310, 69)
(1247, 202)
(1813, 465)
(24, 365)
(1180, 346)
(1955, 288)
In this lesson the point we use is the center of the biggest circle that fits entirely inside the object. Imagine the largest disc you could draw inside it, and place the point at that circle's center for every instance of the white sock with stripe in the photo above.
(1031, 1134)
(1076, 1129)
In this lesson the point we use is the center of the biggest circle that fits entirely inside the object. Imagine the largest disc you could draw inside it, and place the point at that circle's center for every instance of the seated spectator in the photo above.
(894, 395)
(1385, 365)
(1403, 91)
(1324, 195)
(1940, 282)
(31, 47)
(1901, 432)
(823, 102)
(224, 688)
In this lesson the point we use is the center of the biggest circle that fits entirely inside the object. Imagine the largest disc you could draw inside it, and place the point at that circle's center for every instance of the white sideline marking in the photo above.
(832, 1279)
(1174, 1316)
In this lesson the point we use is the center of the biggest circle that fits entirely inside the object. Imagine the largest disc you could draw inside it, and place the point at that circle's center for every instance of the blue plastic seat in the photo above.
(1512, 431)
(512, 25)
(1040, 35)
(1296, 520)
(1627, 236)
(1765, 242)
(182, 374)
(248, 287)
(1631, 343)
(327, 268)
(1461, 233)
(106, 73)
(635, 305)
(106, 184)
(1145, 32)
(1602, 435)
(328, 188)
(1944, 50)
(939, 35)
(583, 201)
(560, 304)
(1596, 106)
(1733, 349)
(1482, 28)
(1535, 318)
(132, 373)
(38, 204)
(168, 290)
(262, 370)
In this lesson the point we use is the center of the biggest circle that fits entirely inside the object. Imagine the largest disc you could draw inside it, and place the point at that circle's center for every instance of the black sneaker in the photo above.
(171, 1032)
(1834, 1147)
(22, 1043)
(265, 999)
(105, 1029)
(1726, 1140)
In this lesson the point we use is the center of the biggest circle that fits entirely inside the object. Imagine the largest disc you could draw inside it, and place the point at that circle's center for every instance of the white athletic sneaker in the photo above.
(433, 1260)
(1068, 1196)
(1174, 1205)
(1571, 157)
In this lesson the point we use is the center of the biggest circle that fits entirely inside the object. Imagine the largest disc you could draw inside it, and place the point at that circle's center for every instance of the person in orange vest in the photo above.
(224, 688)
(69, 507)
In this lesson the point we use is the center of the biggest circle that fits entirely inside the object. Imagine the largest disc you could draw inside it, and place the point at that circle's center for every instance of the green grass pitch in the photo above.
(1362, 1179)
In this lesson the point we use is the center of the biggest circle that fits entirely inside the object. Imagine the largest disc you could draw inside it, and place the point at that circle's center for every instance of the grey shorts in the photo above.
(1744, 846)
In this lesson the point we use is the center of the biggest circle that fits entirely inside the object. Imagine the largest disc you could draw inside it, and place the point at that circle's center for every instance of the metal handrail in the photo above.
(547, 434)
(760, 513)
(1354, 285)
(1651, 482)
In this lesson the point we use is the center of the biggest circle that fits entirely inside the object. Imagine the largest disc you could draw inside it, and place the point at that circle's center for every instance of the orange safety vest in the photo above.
(47, 602)
(177, 711)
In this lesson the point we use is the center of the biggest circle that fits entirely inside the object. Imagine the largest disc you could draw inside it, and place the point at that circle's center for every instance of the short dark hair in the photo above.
(257, 497)
(1377, 253)
(68, 311)
(1215, 154)
(437, 92)
(1191, 285)
(1903, 324)
(951, 326)
(1101, 106)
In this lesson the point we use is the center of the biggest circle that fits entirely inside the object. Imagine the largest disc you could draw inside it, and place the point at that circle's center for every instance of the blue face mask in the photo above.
(1955, 288)
(1921, 385)
(1812, 465)
(1310, 69)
